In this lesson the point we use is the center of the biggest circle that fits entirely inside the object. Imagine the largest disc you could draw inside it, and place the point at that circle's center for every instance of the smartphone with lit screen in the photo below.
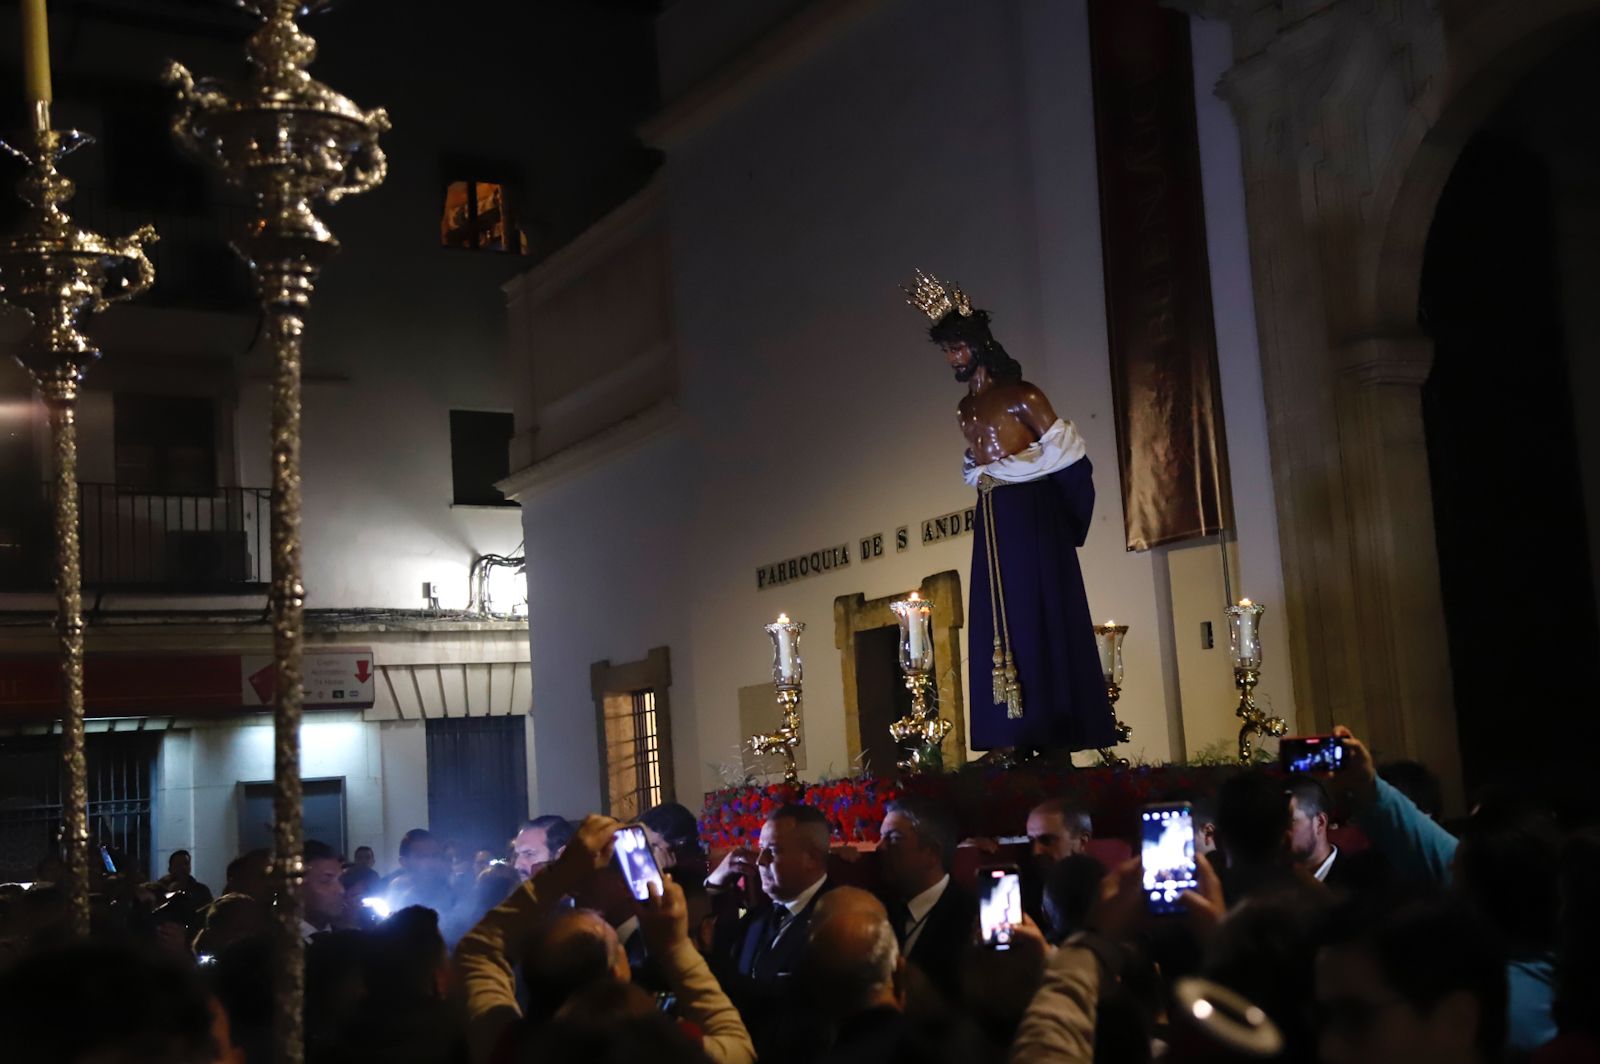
(1312, 753)
(999, 905)
(1166, 851)
(631, 851)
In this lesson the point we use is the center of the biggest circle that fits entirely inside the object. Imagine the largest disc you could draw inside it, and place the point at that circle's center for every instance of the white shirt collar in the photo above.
(307, 930)
(919, 908)
(923, 903)
(1322, 869)
(797, 904)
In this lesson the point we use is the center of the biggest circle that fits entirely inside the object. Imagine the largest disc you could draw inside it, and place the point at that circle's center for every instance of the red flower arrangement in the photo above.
(987, 801)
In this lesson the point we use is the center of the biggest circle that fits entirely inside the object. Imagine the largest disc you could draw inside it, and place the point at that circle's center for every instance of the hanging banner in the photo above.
(1171, 448)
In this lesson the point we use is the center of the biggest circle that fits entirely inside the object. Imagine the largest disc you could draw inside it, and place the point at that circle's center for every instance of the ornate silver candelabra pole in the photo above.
(922, 731)
(58, 273)
(786, 679)
(289, 141)
(1108, 637)
(1244, 639)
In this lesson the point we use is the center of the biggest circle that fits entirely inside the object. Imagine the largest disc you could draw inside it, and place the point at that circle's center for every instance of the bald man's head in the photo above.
(852, 962)
(842, 901)
(577, 947)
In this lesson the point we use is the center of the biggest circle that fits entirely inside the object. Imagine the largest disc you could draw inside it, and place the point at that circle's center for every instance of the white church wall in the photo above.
(608, 579)
(813, 410)
(1259, 573)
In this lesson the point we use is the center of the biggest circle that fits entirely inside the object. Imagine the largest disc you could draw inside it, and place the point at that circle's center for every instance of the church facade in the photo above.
(724, 412)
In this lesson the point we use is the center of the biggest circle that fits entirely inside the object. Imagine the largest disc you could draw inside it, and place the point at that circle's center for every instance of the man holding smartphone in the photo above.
(484, 959)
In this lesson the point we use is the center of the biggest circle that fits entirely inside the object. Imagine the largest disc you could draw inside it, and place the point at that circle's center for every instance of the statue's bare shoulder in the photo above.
(1005, 419)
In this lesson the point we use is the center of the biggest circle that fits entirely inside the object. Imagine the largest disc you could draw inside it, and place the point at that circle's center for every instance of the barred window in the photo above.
(633, 727)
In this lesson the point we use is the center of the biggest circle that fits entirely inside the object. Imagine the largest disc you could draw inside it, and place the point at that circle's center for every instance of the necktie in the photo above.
(780, 920)
(777, 919)
(900, 920)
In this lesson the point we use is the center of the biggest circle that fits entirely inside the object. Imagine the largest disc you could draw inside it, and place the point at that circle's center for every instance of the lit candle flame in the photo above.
(1110, 624)
(1245, 603)
(783, 618)
(915, 597)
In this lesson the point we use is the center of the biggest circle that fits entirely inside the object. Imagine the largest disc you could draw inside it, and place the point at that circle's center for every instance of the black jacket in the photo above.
(941, 946)
(756, 968)
(765, 954)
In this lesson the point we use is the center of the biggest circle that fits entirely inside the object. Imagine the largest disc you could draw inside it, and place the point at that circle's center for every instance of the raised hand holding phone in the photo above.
(1313, 753)
(999, 905)
(588, 851)
(1167, 855)
(664, 918)
(638, 864)
(1356, 787)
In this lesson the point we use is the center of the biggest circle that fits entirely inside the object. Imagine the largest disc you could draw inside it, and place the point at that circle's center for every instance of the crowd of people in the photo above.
(1395, 937)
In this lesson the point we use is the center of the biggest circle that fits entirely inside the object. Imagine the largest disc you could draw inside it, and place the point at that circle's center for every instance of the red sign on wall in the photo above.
(332, 678)
(177, 684)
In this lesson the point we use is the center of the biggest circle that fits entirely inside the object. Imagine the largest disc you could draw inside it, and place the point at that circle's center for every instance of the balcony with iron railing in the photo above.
(136, 540)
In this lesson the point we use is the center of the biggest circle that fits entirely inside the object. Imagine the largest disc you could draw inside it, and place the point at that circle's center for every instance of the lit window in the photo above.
(633, 730)
(478, 215)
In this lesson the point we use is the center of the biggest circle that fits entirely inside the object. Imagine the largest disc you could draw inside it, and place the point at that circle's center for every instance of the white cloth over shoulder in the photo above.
(1057, 448)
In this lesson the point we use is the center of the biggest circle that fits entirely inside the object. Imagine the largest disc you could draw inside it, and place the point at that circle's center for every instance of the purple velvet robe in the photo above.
(1039, 526)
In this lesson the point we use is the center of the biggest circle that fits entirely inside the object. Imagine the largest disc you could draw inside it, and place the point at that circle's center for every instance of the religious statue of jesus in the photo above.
(1034, 673)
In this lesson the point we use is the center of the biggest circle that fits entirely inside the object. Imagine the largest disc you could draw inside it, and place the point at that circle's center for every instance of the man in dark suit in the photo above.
(757, 962)
(932, 917)
(1312, 850)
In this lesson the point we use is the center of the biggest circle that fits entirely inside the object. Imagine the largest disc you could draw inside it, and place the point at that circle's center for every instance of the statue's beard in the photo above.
(967, 372)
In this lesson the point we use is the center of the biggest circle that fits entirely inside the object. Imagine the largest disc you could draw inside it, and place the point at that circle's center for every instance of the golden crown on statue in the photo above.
(935, 300)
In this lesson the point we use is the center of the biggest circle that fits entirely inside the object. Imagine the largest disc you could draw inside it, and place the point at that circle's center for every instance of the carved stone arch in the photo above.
(1489, 56)
(1351, 118)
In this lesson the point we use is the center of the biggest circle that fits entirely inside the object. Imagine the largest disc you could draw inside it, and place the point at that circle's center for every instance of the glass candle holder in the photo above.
(1244, 634)
(1108, 638)
(786, 665)
(915, 615)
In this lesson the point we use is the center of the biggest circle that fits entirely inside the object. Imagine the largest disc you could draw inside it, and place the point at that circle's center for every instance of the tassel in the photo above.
(998, 676)
(1013, 691)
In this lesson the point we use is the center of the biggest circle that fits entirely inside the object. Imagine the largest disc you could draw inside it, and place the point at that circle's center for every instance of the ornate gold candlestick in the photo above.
(289, 141)
(1244, 639)
(58, 273)
(786, 677)
(922, 731)
(1108, 638)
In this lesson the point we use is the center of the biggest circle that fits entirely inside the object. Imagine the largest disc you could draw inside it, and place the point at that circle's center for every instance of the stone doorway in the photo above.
(866, 635)
(1509, 322)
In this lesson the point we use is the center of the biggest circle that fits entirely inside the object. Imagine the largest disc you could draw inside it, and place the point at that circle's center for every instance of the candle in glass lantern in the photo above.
(785, 642)
(1244, 633)
(914, 628)
(35, 51)
(1107, 641)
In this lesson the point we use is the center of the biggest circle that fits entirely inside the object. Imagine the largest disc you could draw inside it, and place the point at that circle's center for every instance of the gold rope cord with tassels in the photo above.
(1005, 688)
